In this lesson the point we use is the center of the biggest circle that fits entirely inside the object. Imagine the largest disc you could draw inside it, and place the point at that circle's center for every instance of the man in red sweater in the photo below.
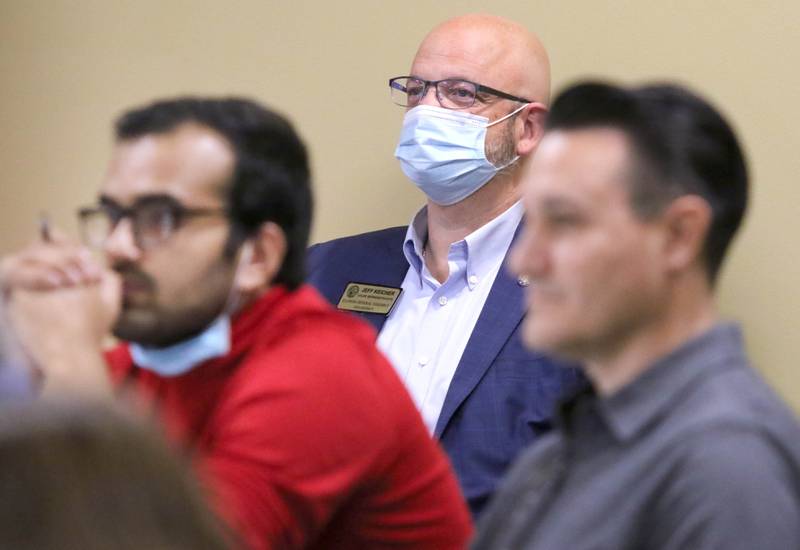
(299, 427)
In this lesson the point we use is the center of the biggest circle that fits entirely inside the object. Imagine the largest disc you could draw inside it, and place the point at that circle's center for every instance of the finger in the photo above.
(38, 273)
(17, 273)
(44, 265)
(56, 236)
(90, 267)
(74, 263)
(111, 294)
(33, 272)
(29, 277)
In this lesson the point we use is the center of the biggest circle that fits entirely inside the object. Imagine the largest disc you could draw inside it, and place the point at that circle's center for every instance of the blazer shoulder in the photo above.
(354, 247)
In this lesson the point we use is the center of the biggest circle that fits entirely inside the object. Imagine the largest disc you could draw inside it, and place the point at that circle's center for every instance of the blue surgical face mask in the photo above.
(214, 341)
(444, 152)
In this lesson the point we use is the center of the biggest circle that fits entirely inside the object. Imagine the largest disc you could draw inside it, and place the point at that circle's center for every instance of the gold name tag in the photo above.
(369, 298)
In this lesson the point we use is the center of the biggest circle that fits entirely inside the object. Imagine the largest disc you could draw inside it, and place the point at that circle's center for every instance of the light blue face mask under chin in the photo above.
(444, 152)
(214, 341)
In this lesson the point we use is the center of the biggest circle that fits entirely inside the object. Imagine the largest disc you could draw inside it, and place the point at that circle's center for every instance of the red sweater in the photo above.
(306, 436)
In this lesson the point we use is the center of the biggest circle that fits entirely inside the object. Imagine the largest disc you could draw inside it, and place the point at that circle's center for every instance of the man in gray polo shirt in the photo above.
(632, 200)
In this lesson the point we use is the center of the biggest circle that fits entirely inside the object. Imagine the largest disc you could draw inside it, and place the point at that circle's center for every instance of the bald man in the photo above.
(446, 310)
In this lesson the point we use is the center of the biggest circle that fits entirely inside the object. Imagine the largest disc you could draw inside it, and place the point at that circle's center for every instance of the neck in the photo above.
(450, 224)
(630, 356)
(239, 301)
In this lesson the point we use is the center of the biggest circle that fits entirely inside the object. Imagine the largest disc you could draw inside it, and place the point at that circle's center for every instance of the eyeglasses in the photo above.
(153, 220)
(452, 93)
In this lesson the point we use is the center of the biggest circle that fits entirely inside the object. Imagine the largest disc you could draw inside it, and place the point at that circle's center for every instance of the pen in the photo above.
(44, 227)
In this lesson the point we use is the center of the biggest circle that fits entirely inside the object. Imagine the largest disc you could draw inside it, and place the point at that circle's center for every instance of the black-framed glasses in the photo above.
(452, 93)
(153, 220)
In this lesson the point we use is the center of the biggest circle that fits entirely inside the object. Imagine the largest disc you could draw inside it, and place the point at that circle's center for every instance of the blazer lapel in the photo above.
(384, 265)
(371, 258)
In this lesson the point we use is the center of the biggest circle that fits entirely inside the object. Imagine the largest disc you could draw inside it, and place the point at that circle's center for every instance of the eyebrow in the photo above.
(442, 79)
(108, 201)
(556, 201)
(555, 204)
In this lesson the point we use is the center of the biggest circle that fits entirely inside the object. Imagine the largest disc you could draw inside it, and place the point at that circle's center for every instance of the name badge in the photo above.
(369, 298)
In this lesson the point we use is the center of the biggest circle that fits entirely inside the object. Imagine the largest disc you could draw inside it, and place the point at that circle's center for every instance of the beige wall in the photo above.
(67, 67)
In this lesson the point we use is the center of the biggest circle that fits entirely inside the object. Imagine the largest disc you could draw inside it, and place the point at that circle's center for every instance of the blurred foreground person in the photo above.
(299, 426)
(86, 477)
(631, 202)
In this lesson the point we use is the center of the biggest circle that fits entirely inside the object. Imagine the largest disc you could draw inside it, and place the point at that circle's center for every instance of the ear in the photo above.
(532, 117)
(686, 221)
(261, 264)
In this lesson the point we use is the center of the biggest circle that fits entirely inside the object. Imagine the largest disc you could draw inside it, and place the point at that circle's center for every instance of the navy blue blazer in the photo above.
(501, 398)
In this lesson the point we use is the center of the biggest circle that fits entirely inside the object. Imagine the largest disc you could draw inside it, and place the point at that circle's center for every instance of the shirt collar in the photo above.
(653, 394)
(414, 243)
(485, 247)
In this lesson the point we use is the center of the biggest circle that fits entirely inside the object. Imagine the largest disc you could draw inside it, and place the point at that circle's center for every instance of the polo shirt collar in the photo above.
(654, 393)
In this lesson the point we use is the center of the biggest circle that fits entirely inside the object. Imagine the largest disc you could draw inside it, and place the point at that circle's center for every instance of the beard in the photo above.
(145, 321)
(503, 150)
(158, 329)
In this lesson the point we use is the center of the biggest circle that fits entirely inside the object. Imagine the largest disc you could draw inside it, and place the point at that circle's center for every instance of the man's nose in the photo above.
(121, 243)
(430, 97)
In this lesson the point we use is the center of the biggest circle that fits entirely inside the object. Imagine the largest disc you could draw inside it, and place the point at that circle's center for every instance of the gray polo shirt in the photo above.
(697, 453)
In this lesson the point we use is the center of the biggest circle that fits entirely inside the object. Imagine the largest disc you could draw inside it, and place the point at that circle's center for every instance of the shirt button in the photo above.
(423, 361)
(473, 279)
(442, 300)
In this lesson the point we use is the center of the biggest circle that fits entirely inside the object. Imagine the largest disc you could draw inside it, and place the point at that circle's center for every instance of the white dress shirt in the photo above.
(428, 329)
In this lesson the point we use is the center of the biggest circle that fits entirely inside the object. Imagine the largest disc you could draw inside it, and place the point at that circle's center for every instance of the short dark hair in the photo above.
(271, 180)
(682, 146)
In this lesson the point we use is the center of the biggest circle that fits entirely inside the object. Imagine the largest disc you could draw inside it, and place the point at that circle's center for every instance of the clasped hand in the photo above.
(61, 305)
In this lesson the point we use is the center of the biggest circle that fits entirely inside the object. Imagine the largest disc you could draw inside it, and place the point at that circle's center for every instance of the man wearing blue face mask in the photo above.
(299, 427)
(475, 103)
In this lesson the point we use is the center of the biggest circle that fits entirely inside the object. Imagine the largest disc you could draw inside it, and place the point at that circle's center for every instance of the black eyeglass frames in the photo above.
(452, 93)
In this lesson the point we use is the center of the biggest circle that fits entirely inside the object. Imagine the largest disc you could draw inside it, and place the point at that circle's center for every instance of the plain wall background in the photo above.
(67, 68)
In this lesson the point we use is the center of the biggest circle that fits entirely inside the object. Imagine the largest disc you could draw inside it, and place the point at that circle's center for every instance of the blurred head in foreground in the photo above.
(631, 202)
(85, 477)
